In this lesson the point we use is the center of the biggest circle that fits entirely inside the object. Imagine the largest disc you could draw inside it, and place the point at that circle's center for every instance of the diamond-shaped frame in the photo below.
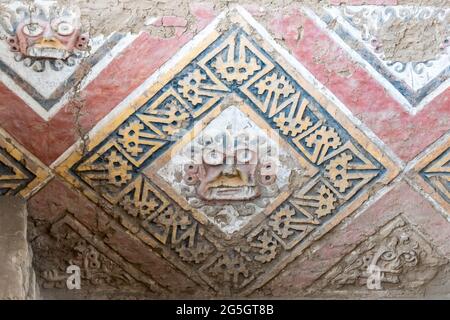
(369, 159)
(307, 169)
(21, 173)
(431, 172)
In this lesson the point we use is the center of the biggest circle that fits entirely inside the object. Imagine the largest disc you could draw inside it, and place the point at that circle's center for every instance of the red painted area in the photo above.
(127, 72)
(19, 120)
(174, 21)
(48, 140)
(204, 12)
(405, 134)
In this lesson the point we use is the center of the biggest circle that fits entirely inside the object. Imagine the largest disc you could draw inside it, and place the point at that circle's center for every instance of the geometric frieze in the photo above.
(20, 172)
(230, 164)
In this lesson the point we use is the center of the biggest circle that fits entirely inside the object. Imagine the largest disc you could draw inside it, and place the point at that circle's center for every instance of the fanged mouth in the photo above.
(232, 193)
(48, 52)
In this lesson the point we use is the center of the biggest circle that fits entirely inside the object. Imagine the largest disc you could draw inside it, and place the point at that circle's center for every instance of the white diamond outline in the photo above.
(375, 74)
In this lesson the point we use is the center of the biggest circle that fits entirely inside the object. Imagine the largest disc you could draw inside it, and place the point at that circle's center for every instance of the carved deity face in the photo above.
(51, 33)
(230, 167)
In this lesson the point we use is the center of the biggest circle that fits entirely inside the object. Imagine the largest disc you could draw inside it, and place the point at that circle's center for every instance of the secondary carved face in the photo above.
(231, 167)
(47, 32)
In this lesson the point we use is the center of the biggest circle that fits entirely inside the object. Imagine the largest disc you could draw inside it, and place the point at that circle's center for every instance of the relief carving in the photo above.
(45, 31)
(20, 172)
(228, 168)
(231, 171)
(233, 165)
(404, 35)
(403, 258)
(68, 243)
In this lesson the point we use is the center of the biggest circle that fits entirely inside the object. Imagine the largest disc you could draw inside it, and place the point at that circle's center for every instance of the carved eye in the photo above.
(244, 155)
(213, 157)
(64, 28)
(268, 167)
(190, 179)
(33, 29)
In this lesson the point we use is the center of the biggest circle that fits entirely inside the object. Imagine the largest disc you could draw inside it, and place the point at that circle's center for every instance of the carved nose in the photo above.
(48, 35)
(49, 40)
(229, 170)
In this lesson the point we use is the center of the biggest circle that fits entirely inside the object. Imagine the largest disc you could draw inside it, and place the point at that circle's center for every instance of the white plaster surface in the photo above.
(234, 121)
(376, 16)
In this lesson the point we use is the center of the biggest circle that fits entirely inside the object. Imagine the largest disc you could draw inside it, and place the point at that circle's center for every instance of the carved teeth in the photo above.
(48, 53)
(232, 193)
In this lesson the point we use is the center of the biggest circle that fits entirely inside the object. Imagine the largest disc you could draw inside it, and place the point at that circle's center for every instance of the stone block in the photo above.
(17, 278)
